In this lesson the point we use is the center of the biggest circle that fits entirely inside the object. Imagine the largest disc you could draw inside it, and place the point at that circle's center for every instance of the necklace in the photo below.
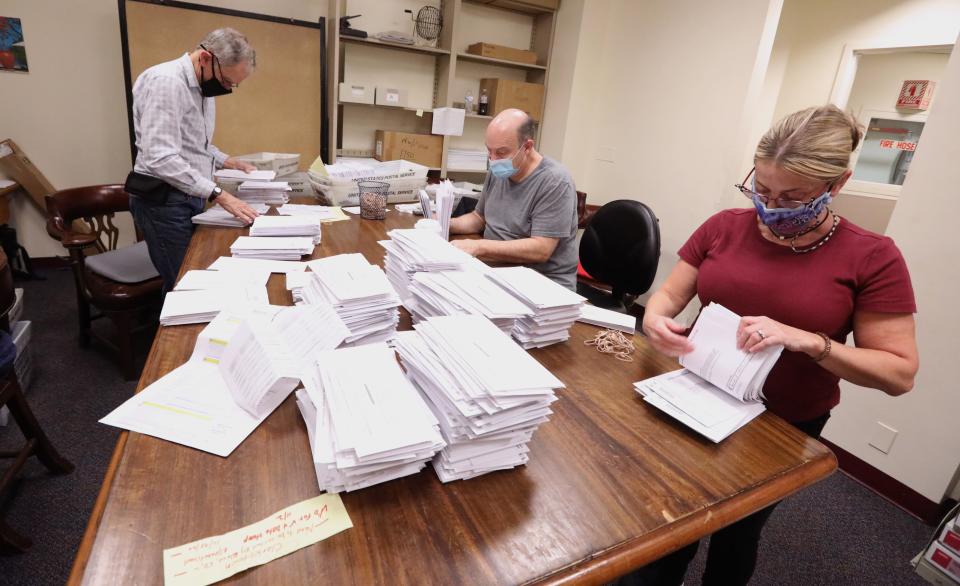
(819, 243)
(802, 232)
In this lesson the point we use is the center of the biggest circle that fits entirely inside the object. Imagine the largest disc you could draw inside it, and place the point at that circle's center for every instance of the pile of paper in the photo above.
(237, 175)
(720, 389)
(264, 192)
(464, 293)
(201, 306)
(606, 318)
(287, 226)
(217, 216)
(411, 251)
(272, 248)
(358, 291)
(365, 421)
(553, 307)
(202, 280)
(322, 213)
(467, 159)
(488, 394)
(243, 366)
(242, 265)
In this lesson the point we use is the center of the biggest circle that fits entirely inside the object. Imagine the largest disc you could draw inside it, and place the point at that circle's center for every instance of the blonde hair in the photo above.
(815, 143)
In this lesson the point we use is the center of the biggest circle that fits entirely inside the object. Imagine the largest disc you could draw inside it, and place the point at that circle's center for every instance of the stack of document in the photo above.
(322, 213)
(237, 175)
(243, 366)
(217, 216)
(553, 307)
(720, 389)
(467, 159)
(358, 291)
(203, 280)
(287, 226)
(464, 293)
(444, 207)
(488, 394)
(365, 421)
(201, 306)
(264, 192)
(411, 251)
(606, 318)
(243, 265)
(272, 248)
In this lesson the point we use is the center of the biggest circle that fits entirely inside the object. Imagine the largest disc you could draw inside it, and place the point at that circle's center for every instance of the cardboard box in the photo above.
(356, 93)
(386, 96)
(425, 149)
(15, 165)
(502, 52)
(507, 93)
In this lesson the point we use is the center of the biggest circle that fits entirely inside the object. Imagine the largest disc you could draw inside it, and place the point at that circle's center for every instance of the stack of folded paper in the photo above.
(553, 307)
(287, 226)
(464, 293)
(489, 395)
(273, 248)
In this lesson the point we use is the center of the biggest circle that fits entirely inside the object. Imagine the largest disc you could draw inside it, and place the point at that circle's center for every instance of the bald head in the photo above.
(511, 128)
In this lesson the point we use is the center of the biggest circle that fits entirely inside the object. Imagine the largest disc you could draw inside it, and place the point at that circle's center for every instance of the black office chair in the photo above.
(620, 249)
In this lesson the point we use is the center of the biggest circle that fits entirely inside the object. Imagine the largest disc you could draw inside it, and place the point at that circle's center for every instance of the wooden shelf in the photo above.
(409, 48)
(405, 108)
(481, 116)
(500, 62)
(484, 171)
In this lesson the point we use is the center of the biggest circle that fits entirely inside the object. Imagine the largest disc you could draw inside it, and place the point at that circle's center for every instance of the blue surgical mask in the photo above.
(504, 168)
(789, 221)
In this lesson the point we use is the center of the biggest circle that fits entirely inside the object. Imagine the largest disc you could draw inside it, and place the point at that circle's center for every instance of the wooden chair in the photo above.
(11, 396)
(123, 296)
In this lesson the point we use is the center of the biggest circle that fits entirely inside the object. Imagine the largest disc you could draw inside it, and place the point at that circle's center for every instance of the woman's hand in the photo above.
(666, 335)
(758, 332)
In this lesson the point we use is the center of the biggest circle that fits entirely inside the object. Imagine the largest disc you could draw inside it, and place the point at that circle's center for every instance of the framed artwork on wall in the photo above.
(13, 52)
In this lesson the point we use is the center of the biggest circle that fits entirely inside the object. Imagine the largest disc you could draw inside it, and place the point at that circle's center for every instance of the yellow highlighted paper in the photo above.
(216, 558)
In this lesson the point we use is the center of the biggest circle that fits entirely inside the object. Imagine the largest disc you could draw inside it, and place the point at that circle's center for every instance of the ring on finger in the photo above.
(761, 334)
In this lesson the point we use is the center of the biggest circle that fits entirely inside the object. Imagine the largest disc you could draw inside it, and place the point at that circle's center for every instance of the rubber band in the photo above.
(613, 342)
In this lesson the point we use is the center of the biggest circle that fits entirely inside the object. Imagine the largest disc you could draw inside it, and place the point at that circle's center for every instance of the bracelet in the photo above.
(827, 346)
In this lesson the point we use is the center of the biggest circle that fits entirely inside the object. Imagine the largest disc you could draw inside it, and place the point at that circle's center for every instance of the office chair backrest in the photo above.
(621, 246)
(94, 206)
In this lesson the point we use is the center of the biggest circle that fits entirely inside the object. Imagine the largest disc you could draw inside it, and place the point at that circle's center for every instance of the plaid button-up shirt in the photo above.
(174, 124)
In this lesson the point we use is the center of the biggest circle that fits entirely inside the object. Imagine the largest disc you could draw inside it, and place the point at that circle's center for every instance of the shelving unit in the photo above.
(517, 23)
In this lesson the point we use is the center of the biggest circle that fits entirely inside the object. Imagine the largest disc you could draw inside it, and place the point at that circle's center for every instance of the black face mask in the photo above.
(212, 87)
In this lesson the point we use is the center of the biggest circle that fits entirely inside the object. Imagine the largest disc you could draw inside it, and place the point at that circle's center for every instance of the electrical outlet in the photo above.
(883, 436)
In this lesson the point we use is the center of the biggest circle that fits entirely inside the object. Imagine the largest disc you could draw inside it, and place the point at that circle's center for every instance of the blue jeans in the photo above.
(167, 229)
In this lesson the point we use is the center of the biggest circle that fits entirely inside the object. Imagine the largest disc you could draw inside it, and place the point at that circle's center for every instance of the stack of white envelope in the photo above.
(464, 293)
(287, 226)
(235, 264)
(217, 216)
(264, 192)
(365, 421)
(272, 247)
(323, 213)
(553, 307)
(202, 305)
(198, 280)
(411, 251)
(489, 395)
(358, 291)
(238, 175)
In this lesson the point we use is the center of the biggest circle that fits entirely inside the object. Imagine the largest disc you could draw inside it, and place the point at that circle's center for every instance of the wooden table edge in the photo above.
(622, 558)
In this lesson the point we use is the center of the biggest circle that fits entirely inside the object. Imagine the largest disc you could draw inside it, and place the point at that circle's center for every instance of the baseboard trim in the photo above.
(890, 488)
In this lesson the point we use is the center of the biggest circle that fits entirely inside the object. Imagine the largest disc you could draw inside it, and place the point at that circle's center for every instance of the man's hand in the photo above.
(471, 247)
(237, 207)
(233, 163)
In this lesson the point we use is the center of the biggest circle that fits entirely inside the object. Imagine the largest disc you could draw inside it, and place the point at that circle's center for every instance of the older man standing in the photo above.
(173, 116)
(528, 209)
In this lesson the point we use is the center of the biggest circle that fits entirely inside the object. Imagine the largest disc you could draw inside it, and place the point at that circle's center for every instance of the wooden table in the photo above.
(611, 484)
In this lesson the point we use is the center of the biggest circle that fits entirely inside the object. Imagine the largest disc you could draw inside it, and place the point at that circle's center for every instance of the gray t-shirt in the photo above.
(543, 204)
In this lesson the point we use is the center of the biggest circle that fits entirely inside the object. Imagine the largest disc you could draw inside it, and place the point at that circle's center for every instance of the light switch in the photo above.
(883, 436)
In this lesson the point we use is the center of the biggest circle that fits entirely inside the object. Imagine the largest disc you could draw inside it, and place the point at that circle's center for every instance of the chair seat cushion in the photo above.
(109, 295)
(130, 264)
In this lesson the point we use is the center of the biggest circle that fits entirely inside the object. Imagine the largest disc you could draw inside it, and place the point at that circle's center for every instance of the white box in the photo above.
(945, 560)
(281, 163)
(356, 93)
(17, 310)
(448, 121)
(300, 186)
(386, 96)
(950, 537)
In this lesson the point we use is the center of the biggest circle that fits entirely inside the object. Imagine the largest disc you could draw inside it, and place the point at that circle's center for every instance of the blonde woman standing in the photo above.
(801, 276)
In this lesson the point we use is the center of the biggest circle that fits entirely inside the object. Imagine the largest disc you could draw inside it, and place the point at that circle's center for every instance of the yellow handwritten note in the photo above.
(216, 558)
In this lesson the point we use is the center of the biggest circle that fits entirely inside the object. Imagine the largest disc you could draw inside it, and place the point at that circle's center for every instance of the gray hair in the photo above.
(527, 130)
(230, 47)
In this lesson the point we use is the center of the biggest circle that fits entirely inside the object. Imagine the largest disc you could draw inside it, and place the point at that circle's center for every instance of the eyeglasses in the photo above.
(778, 202)
(223, 79)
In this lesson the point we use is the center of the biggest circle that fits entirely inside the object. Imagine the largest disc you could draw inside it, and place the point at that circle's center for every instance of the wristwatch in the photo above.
(214, 194)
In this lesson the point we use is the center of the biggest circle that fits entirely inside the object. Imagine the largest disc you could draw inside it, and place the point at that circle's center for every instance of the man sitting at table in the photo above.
(528, 209)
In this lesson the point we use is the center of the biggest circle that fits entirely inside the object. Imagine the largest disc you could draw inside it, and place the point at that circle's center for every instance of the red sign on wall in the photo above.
(915, 94)
(902, 145)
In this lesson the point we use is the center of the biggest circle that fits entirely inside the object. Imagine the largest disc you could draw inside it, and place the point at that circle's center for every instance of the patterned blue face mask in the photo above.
(787, 221)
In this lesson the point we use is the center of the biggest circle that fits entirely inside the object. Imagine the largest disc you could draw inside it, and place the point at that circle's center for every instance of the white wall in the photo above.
(926, 454)
(69, 113)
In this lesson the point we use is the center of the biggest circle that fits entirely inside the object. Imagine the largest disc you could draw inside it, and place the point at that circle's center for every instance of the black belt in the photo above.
(147, 187)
